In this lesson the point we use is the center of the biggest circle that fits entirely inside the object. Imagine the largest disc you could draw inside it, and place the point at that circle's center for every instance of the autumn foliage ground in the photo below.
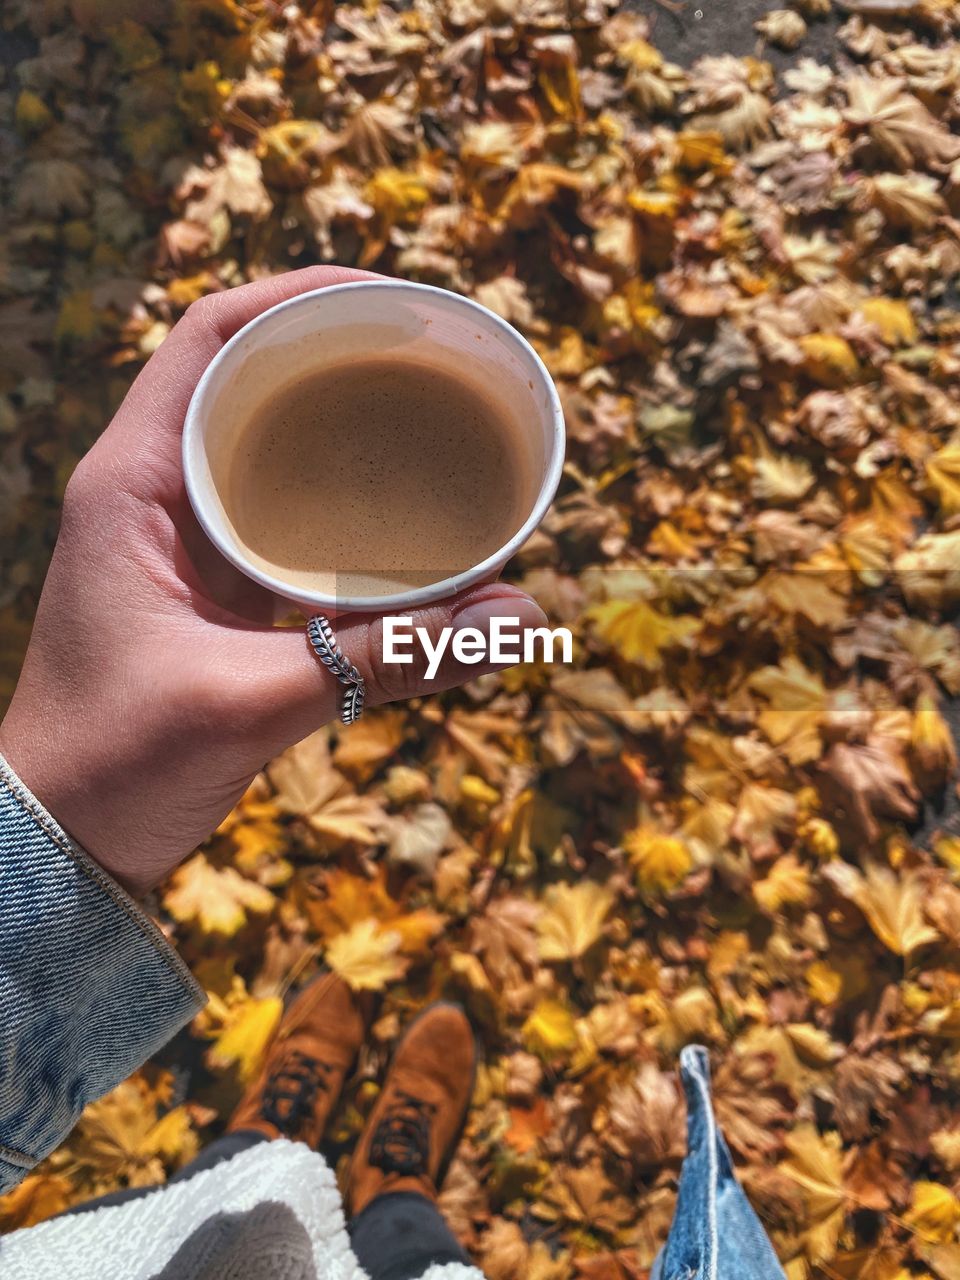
(705, 829)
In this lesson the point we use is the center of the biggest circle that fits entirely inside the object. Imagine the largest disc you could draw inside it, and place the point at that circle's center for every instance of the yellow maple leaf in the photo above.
(245, 1038)
(691, 1016)
(892, 904)
(396, 194)
(38, 1197)
(216, 899)
(830, 358)
(787, 884)
(943, 473)
(31, 113)
(367, 956)
(550, 1029)
(572, 920)
(816, 1166)
(352, 899)
(638, 632)
(934, 1213)
(824, 983)
(893, 318)
(661, 861)
(780, 478)
(797, 699)
(291, 151)
(932, 751)
(121, 1141)
(947, 849)
(187, 289)
(702, 150)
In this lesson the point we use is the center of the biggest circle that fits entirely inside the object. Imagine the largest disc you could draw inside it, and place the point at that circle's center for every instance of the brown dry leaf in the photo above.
(892, 903)
(378, 130)
(417, 839)
(585, 1196)
(235, 185)
(864, 1085)
(505, 939)
(869, 782)
(644, 1119)
(507, 1255)
(897, 121)
(364, 747)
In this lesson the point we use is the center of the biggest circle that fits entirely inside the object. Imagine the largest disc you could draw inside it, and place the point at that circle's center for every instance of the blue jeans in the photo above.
(715, 1233)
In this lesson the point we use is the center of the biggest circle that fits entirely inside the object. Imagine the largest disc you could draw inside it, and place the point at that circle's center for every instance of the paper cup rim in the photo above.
(417, 596)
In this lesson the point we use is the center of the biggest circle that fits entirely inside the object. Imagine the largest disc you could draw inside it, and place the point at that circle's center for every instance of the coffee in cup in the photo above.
(373, 446)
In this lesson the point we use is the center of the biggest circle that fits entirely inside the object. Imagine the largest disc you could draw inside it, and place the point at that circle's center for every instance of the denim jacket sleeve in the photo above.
(89, 987)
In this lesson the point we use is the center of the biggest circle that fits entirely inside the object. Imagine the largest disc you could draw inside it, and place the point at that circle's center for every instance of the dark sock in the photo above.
(399, 1235)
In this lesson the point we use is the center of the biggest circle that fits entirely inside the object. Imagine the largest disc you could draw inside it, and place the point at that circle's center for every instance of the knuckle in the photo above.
(206, 312)
(79, 487)
(199, 311)
(386, 681)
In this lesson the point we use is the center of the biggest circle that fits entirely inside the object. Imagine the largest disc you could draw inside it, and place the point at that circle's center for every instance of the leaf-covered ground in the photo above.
(744, 282)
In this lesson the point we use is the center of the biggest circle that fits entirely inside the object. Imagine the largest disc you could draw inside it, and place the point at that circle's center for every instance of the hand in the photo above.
(154, 687)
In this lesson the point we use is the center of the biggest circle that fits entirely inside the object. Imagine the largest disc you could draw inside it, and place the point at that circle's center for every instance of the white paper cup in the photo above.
(373, 318)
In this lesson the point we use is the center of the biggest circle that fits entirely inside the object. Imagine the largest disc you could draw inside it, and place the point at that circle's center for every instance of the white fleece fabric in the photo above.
(273, 1212)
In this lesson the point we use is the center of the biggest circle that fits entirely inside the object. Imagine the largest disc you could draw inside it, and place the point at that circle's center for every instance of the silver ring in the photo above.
(325, 646)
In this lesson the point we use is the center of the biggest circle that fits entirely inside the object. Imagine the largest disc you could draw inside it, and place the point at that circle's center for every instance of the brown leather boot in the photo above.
(305, 1067)
(418, 1118)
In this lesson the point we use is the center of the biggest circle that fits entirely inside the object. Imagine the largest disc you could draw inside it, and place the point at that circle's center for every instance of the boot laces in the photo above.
(290, 1094)
(401, 1143)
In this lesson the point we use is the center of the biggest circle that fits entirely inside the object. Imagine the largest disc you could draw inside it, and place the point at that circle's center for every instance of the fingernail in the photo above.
(513, 605)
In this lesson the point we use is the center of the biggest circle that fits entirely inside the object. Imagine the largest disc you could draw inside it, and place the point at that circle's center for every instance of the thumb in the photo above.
(301, 694)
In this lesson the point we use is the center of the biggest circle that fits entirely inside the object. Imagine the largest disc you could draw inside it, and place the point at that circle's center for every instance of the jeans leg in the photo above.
(400, 1234)
(222, 1148)
(715, 1233)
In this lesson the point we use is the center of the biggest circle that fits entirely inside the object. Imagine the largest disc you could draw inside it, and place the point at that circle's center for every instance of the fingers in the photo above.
(146, 431)
(297, 694)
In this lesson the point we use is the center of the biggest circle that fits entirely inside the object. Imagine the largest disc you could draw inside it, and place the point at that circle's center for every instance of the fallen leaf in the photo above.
(572, 919)
(366, 956)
